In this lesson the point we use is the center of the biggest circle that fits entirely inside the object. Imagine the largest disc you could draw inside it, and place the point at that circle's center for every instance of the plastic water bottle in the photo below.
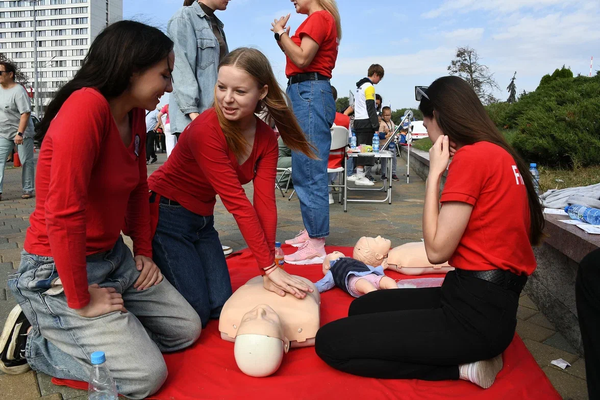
(584, 214)
(278, 255)
(101, 385)
(376, 143)
(353, 141)
(536, 177)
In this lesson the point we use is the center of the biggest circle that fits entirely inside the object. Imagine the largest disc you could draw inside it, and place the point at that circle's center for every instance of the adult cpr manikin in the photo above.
(408, 259)
(264, 325)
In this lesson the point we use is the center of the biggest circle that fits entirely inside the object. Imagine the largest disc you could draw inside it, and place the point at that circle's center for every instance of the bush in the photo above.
(497, 112)
(557, 124)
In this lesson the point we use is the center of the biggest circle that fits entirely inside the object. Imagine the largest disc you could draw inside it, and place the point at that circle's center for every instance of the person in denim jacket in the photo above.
(199, 46)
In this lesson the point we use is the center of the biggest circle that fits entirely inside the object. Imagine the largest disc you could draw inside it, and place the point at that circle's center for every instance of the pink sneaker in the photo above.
(299, 240)
(311, 252)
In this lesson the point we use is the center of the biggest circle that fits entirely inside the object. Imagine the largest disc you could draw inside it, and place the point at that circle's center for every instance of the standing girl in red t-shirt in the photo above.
(489, 218)
(311, 55)
(80, 287)
(224, 148)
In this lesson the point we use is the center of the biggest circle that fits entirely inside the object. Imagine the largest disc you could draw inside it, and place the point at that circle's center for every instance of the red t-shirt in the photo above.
(319, 26)
(342, 120)
(497, 235)
(165, 111)
(89, 186)
(201, 167)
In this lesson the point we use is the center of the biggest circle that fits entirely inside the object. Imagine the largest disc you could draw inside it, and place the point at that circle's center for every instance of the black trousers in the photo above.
(364, 136)
(421, 333)
(150, 145)
(587, 292)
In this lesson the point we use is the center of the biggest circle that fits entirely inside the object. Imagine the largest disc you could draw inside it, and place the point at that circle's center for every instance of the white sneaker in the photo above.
(331, 199)
(227, 250)
(363, 181)
(352, 178)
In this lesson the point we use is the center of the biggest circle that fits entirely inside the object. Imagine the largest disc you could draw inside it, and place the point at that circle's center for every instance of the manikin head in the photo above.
(329, 258)
(260, 342)
(372, 251)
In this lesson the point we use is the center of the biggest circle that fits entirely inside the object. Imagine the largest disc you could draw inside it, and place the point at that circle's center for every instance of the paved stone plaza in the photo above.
(399, 222)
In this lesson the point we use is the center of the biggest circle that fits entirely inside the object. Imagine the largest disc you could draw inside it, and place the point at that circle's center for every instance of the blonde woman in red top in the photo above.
(311, 54)
(224, 148)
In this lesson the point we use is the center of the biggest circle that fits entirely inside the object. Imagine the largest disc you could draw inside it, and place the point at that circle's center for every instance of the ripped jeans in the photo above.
(61, 341)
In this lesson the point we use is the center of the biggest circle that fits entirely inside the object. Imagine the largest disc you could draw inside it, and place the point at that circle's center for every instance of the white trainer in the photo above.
(363, 181)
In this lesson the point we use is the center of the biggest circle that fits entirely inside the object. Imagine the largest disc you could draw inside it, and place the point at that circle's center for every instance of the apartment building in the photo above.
(64, 32)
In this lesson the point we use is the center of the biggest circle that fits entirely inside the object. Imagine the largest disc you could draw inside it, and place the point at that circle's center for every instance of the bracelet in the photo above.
(269, 269)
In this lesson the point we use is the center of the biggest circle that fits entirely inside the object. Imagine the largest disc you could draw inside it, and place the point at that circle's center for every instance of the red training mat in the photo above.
(207, 370)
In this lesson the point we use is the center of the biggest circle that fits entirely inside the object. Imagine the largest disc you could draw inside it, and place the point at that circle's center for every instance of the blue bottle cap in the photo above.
(98, 357)
(277, 244)
(533, 165)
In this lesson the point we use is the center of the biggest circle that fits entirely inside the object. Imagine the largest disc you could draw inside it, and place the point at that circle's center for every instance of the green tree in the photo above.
(20, 77)
(398, 114)
(512, 90)
(342, 103)
(466, 65)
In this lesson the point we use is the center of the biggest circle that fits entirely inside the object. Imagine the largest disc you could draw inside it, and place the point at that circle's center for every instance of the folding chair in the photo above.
(285, 176)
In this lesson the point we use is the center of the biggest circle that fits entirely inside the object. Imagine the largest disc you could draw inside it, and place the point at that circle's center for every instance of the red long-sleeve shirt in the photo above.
(202, 166)
(88, 184)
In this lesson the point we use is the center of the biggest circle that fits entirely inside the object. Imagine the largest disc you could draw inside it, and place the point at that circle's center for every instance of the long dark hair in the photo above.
(460, 115)
(119, 51)
(274, 104)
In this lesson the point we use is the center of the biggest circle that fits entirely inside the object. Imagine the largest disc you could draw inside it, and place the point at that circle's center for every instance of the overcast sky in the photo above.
(415, 41)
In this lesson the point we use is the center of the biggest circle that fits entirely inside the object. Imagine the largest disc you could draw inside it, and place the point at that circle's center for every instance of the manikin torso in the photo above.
(300, 318)
(411, 259)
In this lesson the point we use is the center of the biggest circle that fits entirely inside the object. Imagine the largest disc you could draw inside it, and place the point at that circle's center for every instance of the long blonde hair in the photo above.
(257, 65)
(331, 7)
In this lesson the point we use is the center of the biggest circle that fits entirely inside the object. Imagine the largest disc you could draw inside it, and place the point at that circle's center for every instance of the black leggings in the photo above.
(587, 291)
(421, 333)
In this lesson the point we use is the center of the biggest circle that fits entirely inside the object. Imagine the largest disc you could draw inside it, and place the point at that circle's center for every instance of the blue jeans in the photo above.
(25, 156)
(314, 108)
(187, 249)
(61, 341)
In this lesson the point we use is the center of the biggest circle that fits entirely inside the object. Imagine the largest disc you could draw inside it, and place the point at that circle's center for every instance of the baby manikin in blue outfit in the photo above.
(352, 276)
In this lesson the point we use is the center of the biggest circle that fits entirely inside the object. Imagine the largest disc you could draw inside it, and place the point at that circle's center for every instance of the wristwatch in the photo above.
(20, 134)
(279, 34)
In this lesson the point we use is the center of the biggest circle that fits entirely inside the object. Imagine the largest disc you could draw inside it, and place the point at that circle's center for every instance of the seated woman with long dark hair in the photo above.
(490, 216)
(80, 288)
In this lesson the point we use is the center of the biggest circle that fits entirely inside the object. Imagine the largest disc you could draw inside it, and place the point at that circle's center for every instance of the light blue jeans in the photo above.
(25, 156)
(314, 108)
(61, 341)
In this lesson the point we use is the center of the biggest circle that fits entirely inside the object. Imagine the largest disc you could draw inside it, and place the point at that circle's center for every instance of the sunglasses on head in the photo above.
(420, 92)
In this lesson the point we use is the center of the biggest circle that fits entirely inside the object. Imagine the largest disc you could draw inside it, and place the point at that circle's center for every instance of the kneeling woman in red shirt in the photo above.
(225, 147)
(80, 287)
(489, 218)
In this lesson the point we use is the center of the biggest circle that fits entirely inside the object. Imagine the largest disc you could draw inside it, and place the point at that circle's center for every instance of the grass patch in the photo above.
(422, 144)
(555, 178)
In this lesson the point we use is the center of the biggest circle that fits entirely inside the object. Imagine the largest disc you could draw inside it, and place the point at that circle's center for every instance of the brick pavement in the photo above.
(399, 222)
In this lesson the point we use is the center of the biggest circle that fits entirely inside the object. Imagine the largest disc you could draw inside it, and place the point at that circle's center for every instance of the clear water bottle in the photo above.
(584, 214)
(278, 255)
(376, 143)
(353, 141)
(101, 385)
(536, 177)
